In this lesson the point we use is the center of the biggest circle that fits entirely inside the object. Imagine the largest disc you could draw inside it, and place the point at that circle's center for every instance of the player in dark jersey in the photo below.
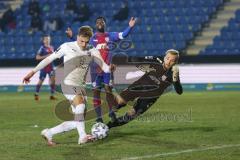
(45, 50)
(148, 88)
(99, 79)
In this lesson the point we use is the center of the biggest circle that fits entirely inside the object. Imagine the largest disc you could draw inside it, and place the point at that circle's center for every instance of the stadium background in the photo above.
(205, 32)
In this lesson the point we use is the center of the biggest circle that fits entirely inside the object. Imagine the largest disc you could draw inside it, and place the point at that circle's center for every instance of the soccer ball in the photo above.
(99, 130)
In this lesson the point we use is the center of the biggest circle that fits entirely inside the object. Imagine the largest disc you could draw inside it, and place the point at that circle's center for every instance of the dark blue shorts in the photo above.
(43, 74)
(102, 79)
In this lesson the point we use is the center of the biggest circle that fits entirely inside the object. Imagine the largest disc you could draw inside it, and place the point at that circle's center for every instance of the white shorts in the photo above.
(70, 91)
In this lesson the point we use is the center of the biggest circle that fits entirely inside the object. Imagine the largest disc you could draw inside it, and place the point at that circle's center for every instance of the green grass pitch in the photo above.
(195, 125)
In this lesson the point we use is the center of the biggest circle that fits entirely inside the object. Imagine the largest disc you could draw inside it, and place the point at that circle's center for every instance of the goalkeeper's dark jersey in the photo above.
(152, 84)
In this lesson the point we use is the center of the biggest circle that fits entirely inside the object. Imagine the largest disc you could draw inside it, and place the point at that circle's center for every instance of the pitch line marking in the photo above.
(182, 152)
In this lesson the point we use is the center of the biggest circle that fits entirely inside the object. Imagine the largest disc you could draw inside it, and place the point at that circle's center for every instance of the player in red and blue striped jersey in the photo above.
(45, 50)
(99, 79)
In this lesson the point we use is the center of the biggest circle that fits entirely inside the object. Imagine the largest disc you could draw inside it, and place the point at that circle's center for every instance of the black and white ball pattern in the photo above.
(99, 130)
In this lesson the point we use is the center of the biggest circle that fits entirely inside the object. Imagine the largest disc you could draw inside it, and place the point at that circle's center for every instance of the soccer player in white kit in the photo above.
(77, 56)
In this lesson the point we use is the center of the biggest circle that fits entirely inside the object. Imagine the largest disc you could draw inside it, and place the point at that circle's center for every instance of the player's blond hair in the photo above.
(172, 52)
(85, 31)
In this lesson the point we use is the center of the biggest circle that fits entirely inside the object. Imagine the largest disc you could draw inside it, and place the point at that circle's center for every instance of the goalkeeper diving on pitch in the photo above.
(156, 78)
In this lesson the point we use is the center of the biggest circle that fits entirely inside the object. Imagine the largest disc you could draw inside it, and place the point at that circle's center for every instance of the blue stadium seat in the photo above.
(228, 41)
(165, 24)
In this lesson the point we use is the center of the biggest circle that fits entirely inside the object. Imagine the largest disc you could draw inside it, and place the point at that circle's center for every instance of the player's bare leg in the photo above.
(115, 100)
(120, 100)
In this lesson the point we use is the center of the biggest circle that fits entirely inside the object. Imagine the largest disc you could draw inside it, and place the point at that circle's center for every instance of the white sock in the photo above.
(63, 127)
(79, 110)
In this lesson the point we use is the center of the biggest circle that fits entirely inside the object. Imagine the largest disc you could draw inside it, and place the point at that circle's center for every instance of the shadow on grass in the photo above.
(138, 137)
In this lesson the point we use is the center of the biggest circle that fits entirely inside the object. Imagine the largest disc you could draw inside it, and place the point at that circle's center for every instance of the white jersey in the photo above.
(76, 62)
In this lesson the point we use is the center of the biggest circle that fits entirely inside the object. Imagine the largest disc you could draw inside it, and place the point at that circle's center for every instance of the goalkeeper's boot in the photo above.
(48, 137)
(86, 139)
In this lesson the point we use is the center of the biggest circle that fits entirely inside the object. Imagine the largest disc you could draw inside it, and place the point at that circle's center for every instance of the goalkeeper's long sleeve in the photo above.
(178, 87)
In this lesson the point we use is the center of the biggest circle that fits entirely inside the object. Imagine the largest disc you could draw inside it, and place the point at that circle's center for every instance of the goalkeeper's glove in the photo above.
(175, 73)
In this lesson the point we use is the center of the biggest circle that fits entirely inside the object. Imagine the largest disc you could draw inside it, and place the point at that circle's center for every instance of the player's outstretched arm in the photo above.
(45, 62)
(27, 78)
(126, 32)
(41, 65)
